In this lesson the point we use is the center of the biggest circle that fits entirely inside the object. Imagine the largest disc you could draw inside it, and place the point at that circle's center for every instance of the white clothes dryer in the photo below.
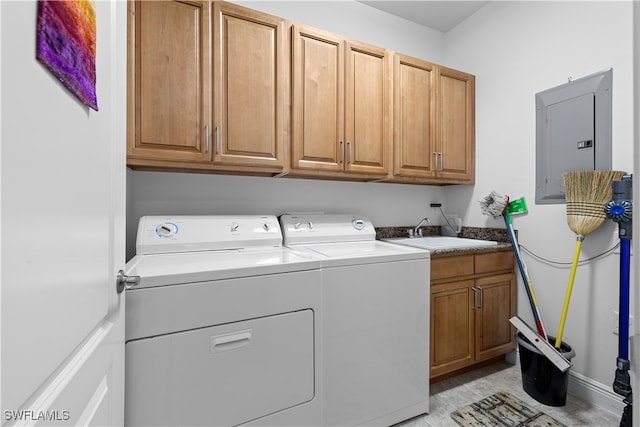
(375, 299)
(224, 328)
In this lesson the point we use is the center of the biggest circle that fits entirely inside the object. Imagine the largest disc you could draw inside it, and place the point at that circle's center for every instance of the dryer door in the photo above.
(221, 375)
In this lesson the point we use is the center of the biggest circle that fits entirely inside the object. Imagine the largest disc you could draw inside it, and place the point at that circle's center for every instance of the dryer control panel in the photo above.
(324, 228)
(159, 234)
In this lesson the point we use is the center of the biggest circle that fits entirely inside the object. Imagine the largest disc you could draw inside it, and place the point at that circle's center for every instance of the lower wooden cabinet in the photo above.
(472, 300)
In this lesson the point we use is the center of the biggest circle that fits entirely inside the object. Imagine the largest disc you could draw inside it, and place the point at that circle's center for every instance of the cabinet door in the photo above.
(451, 326)
(168, 80)
(455, 140)
(317, 112)
(250, 87)
(413, 117)
(496, 305)
(367, 101)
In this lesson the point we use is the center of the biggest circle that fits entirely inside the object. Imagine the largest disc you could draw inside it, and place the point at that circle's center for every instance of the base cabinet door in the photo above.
(496, 305)
(451, 326)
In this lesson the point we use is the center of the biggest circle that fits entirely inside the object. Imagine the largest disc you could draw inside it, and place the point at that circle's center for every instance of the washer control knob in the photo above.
(266, 227)
(167, 229)
(358, 224)
(235, 227)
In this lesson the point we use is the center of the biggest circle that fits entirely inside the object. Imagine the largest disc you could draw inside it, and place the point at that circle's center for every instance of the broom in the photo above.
(586, 193)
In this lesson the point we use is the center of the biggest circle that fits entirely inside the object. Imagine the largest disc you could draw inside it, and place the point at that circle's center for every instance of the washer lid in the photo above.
(189, 267)
(316, 228)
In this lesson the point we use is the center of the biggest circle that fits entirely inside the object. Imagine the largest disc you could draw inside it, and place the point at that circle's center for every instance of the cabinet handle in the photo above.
(350, 152)
(341, 152)
(206, 139)
(475, 298)
(481, 297)
(441, 161)
(217, 140)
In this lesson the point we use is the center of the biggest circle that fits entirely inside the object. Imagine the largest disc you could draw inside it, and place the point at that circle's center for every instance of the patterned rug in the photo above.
(502, 409)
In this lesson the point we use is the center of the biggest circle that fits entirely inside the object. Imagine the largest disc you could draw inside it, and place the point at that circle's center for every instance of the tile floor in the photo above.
(462, 390)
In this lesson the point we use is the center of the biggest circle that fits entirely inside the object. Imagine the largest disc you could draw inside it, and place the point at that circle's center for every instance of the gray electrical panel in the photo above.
(573, 132)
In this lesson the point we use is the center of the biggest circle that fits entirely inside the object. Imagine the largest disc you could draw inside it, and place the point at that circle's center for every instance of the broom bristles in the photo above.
(587, 193)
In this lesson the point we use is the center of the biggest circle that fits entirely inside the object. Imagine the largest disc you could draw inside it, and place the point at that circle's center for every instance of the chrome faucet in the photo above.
(416, 231)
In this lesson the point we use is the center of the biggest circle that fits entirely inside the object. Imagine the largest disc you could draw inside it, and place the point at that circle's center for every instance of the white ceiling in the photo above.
(439, 15)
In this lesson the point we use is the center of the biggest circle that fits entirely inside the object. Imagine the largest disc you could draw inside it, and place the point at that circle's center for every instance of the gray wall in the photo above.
(158, 193)
(517, 49)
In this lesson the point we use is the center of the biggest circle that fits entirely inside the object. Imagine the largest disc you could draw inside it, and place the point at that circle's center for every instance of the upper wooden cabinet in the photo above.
(168, 80)
(250, 75)
(340, 104)
(414, 151)
(434, 124)
(208, 87)
(455, 118)
(216, 87)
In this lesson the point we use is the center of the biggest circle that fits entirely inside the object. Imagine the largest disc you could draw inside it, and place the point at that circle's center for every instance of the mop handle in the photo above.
(623, 313)
(525, 277)
(567, 296)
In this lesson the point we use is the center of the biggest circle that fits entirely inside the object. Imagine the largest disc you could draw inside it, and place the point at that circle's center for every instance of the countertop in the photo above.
(497, 234)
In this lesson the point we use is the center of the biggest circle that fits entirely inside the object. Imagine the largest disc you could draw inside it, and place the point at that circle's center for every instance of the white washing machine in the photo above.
(224, 328)
(375, 298)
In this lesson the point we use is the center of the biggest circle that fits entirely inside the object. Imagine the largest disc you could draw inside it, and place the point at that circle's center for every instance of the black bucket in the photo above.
(541, 379)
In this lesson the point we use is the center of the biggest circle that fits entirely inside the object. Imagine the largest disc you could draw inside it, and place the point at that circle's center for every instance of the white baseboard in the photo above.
(596, 393)
(585, 388)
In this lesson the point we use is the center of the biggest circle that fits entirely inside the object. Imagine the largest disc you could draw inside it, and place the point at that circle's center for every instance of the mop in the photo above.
(619, 209)
(586, 193)
(496, 205)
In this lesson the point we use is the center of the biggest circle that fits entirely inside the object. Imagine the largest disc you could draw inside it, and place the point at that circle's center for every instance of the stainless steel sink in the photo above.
(442, 242)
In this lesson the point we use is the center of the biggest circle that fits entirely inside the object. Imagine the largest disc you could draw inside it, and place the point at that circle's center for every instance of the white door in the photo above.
(62, 227)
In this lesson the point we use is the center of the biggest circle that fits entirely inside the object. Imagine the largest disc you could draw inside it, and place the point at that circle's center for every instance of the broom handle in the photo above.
(525, 277)
(567, 296)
